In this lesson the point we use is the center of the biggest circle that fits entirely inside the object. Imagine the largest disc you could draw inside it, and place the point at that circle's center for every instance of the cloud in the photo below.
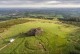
(39, 3)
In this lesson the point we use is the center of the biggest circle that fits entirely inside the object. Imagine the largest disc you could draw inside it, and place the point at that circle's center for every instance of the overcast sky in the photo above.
(40, 3)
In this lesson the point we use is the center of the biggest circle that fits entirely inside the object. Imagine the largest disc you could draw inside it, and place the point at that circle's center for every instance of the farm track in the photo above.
(4, 46)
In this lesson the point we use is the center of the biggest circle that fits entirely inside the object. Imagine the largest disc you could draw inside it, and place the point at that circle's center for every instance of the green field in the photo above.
(57, 38)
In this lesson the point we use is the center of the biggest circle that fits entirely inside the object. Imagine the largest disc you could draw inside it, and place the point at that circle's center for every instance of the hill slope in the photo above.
(56, 38)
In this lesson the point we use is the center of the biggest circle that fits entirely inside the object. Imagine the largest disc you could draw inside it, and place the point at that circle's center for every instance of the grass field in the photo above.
(57, 38)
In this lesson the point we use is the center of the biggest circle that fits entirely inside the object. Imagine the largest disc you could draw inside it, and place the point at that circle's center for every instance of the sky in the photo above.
(40, 3)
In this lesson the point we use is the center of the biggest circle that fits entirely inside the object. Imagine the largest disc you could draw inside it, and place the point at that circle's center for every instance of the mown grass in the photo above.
(54, 39)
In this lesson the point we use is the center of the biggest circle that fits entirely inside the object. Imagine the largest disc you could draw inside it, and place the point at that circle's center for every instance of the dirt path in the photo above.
(4, 46)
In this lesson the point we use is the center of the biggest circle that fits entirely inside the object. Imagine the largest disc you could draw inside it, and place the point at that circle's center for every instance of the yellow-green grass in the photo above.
(4, 25)
(52, 41)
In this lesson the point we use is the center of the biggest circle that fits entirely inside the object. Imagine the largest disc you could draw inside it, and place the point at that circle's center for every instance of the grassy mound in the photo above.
(54, 40)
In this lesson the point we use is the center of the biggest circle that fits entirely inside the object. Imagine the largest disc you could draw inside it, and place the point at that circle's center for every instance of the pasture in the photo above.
(57, 38)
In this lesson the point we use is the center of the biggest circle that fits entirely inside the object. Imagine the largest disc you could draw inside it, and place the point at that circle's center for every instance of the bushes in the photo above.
(74, 19)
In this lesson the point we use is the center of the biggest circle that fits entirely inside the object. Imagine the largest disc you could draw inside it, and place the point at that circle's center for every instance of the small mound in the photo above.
(35, 31)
